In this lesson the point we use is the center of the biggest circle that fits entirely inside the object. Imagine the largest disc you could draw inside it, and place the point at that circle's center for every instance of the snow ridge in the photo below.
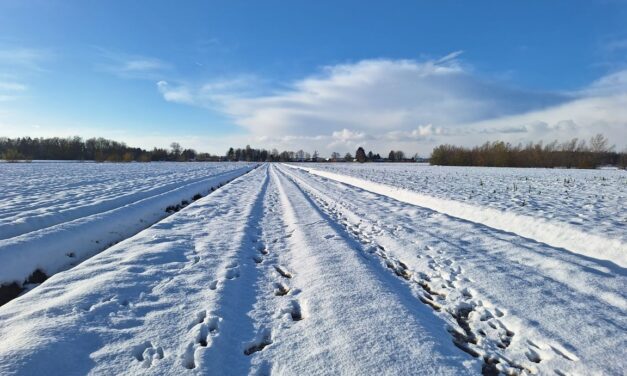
(554, 234)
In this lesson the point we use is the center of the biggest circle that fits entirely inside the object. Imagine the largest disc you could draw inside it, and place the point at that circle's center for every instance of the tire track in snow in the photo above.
(354, 309)
(221, 334)
(475, 325)
(277, 308)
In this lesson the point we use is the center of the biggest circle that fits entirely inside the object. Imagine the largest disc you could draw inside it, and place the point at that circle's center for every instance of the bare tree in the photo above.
(176, 149)
(599, 144)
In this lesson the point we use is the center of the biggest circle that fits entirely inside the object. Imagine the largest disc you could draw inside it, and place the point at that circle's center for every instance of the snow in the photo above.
(591, 200)
(564, 310)
(181, 296)
(40, 195)
(591, 239)
(282, 271)
(48, 228)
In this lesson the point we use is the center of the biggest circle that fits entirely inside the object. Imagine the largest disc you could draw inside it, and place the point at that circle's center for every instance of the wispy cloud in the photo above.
(10, 91)
(131, 65)
(450, 57)
(214, 95)
(12, 86)
(20, 58)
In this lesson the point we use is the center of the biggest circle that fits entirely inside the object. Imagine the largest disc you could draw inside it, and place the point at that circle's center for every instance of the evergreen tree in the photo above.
(360, 155)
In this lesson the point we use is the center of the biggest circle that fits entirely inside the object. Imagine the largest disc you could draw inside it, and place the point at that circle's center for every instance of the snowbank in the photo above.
(552, 233)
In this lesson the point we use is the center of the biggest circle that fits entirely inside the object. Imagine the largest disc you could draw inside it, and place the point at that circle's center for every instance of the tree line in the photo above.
(105, 150)
(574, 153)
(571, 154)
(262, 155)
(92, 149)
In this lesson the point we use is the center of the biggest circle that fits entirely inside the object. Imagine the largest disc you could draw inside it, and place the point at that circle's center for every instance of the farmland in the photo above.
(313, 269)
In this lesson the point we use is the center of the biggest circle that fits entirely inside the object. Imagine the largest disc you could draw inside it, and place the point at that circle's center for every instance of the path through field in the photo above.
(286, 272)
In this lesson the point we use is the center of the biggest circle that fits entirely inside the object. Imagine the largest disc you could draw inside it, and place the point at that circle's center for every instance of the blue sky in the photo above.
(326, 75)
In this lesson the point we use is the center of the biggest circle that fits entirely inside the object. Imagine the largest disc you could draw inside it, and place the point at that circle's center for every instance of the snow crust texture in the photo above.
(587, 215)
(55, 215)
(286, 272)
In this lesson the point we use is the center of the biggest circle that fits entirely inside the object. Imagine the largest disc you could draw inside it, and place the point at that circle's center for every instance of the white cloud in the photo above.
(347, 138)
(421, 133)
(177, 95)
(393, 104)
(371, 95)
(580, 118)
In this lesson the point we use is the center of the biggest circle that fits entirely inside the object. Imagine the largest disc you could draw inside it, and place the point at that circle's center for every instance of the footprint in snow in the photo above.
(147, 353)
(232, 273)
(280, 289)
(263, 339)
(284, 273)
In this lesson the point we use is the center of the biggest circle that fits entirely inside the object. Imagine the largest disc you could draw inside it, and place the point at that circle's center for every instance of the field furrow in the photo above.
(504, 296)
(286, 272)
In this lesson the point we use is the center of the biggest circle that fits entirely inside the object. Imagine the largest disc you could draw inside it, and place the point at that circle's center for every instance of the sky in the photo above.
(314, 75)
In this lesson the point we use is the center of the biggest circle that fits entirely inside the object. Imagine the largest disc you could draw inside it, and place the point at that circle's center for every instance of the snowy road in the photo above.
(285, 272)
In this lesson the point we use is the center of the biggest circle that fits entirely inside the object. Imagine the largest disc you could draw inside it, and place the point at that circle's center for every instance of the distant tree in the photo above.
(392, 156)
(230, 155)
(572, 153)
(188, 154)
(12, 155)
(159, 154)
(370, 156)
(599, 144)
(300, 155)
(285, 156)
(128, 157)
(348, 157)
(335, 156)
(399, 155)
(176, 149)
(274, 155)
(360, 155)
(314, 157)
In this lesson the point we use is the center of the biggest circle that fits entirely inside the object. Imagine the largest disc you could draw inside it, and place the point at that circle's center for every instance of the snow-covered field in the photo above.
(592, 200)
(55, 215)
(285, 271)
(583, 211)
